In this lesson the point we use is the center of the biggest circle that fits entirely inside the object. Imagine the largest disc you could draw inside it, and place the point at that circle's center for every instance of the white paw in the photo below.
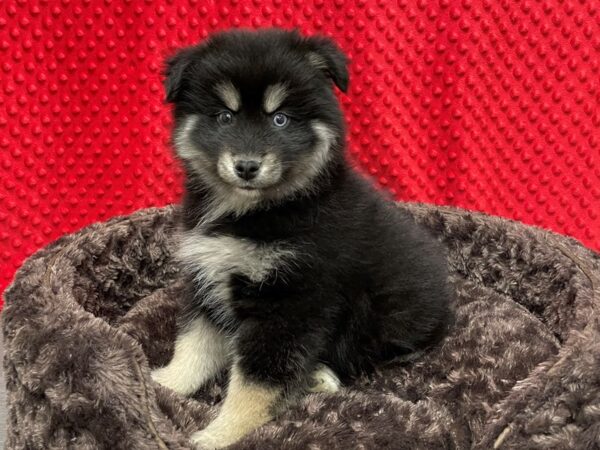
(324, 380)
(161, 376)
(172, 380)
(204, 440)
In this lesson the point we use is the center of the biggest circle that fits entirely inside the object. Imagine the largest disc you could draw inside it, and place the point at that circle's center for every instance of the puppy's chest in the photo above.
(213, 259)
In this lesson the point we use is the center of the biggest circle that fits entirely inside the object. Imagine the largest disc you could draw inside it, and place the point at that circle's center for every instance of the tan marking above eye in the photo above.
(275, 94)
(229, 94)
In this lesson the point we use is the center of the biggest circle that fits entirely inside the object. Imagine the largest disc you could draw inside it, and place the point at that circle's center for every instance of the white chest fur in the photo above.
(213, 259)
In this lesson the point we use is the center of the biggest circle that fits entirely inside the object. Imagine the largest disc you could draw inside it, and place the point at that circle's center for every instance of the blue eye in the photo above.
(225, 118)
(280, 120)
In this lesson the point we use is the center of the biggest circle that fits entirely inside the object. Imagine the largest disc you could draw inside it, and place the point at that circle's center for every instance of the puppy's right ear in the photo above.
(175, 69)
(324, 54)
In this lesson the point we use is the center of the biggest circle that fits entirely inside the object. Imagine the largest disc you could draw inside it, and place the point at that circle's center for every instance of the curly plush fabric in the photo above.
(89, 316)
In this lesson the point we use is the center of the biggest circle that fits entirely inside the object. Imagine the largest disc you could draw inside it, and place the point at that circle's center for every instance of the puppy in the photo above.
(299, 272)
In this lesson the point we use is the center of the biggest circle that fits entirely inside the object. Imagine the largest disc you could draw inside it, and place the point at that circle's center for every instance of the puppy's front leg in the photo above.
(275, 355)
(201, 350)
(248, 405)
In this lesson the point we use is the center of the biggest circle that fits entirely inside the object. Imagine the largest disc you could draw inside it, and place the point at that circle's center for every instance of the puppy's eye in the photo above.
(280, 120)
(225, 118)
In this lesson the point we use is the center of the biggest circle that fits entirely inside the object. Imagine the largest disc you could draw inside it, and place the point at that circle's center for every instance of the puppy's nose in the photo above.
(247, 169)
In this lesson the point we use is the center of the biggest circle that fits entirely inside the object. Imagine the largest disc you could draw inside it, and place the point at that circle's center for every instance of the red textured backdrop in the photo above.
(491, 105)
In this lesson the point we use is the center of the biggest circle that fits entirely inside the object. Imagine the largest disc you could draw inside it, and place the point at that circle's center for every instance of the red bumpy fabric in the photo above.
(490, 105)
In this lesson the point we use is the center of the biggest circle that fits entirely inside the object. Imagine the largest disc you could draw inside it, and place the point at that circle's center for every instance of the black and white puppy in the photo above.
(299, 271)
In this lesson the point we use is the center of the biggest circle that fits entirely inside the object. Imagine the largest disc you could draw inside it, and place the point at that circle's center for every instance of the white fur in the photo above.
(322, 152)
(182, 142)
(229, 94)
(224, 199)
(274, 96)
(228, 196)
(246, 407)
(230, 200)
(200, 352)
(325, 380)
(226, 167)
(212, 259)
(304, 172)
(269, 172)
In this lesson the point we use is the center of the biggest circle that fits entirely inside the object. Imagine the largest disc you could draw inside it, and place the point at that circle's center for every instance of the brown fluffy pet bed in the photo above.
(88, 316)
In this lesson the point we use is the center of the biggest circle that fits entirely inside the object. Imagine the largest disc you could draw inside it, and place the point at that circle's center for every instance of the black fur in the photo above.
(367, 283)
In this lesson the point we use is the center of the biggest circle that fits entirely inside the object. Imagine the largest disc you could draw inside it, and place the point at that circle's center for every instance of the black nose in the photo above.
(247, 169)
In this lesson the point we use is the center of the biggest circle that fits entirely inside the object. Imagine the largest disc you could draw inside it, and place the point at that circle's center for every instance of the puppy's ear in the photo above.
(325, 55)
(175, 68)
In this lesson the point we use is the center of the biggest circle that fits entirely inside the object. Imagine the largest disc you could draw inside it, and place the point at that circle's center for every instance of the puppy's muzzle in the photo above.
(247, 169)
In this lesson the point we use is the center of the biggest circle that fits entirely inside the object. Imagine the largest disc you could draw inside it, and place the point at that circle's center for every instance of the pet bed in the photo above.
(89, 316)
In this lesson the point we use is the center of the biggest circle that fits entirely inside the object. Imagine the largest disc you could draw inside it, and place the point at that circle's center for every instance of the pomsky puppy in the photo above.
(299, 272)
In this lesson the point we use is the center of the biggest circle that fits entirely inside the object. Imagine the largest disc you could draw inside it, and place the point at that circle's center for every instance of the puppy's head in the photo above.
(255, 113)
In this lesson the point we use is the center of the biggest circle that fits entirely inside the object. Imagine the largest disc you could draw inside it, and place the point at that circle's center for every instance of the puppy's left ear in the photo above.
(175, 68)
(324, 54)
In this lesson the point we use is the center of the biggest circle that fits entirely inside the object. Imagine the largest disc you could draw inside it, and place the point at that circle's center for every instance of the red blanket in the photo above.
(488, 105)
